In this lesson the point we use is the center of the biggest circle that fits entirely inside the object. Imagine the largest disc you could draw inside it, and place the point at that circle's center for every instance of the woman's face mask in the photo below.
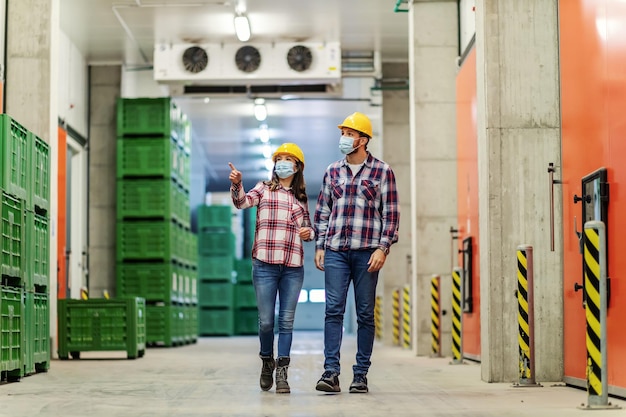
(284, 169)
(346, 145)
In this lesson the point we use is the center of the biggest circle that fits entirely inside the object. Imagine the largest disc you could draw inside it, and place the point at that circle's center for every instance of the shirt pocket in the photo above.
(369, 189)
(337, 188)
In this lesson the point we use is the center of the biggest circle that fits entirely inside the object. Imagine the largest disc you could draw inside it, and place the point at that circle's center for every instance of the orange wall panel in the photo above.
(467, 191)
(593, 99)
(62, 215)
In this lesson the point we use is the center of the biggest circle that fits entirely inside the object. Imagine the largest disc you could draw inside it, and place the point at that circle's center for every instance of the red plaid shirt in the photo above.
(278, 219)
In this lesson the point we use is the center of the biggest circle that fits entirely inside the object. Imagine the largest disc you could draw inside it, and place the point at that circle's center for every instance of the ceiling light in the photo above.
(264, 133)
(242, 27)
(260, 111)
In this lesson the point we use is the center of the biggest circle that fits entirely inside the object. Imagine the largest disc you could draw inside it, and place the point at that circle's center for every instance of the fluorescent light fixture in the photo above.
(260, 111)
(267, 151)
(264, 133)
(242, 27)
(269, 164)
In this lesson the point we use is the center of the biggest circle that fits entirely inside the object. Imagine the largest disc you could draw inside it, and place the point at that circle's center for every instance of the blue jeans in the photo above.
(341, 268)
(269, 281)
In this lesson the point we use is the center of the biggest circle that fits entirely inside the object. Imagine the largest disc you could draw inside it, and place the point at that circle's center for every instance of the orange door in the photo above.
(593, 96)
(467, 198)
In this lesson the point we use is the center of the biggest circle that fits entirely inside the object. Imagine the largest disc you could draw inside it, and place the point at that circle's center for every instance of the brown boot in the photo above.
(282, 387)
(267, 372)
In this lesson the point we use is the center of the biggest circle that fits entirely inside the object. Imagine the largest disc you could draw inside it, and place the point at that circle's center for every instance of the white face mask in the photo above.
(346, 145)
(284, 169)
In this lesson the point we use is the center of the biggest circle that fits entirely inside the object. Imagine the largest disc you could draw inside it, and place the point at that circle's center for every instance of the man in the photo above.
(356, 222)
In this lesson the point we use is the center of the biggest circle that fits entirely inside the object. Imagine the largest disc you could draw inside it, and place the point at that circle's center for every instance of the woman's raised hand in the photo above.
(235, 176)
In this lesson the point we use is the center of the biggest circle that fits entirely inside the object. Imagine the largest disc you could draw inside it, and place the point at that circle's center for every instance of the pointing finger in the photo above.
(232, 167)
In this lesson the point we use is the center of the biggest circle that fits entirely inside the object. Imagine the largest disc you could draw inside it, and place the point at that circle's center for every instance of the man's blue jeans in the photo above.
(341, 268)
(269, 281)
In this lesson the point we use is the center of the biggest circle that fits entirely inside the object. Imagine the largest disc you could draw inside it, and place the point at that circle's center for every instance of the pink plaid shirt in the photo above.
(278, 220)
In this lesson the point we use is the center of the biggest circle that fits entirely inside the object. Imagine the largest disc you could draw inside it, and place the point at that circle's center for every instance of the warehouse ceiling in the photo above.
(224, 127)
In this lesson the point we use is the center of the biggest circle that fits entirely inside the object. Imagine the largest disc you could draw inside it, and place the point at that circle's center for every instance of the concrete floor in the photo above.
(219, 377)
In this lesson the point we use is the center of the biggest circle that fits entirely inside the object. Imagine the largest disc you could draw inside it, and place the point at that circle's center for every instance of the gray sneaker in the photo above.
(329, 382)
(359, 384)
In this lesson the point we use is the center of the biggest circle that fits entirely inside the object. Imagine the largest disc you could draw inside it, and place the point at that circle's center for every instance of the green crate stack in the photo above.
(215, 270)
(156, 250)
(25, 262)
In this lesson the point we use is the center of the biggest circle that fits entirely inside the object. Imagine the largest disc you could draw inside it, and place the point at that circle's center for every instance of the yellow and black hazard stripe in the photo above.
(378, 320)
(395, 304)
(457, 354)
(522, 315)
(593, 309)
(406, 317)
(435, 316)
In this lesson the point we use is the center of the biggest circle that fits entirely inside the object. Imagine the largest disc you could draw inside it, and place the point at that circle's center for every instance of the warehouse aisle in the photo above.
(219, 377)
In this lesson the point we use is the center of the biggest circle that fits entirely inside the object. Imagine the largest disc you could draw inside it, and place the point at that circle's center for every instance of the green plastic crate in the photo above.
(148, 157)
(156, 282)
(37, 262)
(11, 348)
(152, 198)
(40, 174)
(166, 325)
(216, 243)
(15, 155)
(214, 217)
(150, 240)
(215, 294)
(243, 270)
(147, 116)
(192, 323)
(102, 325)
(36, 333)
(245, 295)
(217, 268)
(13, 242)
(215, 322)
(246, 321)
(190, 285)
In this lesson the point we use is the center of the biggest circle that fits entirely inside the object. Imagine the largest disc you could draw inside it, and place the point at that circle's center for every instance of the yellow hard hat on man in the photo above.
(359, 122)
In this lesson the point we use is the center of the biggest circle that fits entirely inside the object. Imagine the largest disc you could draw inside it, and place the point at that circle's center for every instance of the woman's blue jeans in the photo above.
(341, 268)
(270, 281)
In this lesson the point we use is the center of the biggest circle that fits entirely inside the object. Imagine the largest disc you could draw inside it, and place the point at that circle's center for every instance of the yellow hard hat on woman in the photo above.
(290, 149)
(359, 122)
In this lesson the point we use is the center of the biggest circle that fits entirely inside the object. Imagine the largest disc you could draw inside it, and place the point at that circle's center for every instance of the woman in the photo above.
(282, 223)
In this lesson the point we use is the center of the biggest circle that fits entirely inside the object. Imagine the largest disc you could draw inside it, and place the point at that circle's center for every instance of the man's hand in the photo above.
(377, 260)
(235, 176)
(305, 233)
(319, 259)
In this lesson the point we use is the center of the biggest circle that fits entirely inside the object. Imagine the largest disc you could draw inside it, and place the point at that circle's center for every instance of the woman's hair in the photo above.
(298, 186)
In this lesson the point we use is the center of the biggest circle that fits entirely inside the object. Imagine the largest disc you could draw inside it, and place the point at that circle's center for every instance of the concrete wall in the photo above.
(105, 88)
(433, 53)
(518, 135)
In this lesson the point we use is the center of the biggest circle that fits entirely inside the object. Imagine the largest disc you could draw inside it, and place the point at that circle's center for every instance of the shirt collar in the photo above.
(368, 161)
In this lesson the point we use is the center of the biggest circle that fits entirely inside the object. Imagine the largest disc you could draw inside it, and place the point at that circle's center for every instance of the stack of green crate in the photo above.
(215, 271)
(24, 290)
(156, 250)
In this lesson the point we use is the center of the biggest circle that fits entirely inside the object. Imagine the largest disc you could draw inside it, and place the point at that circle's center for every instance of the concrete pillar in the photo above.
(396, 137)
(105, 84)
(518, 135)
(433, 52)
(31, 95)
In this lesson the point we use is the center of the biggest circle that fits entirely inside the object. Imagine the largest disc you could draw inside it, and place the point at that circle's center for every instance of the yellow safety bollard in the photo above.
(594, 258)
(378, 319)
(435, 315)
(406, 317)
(395, 304)
(457, 317)
(525, 317)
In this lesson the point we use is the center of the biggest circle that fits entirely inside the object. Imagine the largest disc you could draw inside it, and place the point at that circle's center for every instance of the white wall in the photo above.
(467, 22)
(73, 86)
